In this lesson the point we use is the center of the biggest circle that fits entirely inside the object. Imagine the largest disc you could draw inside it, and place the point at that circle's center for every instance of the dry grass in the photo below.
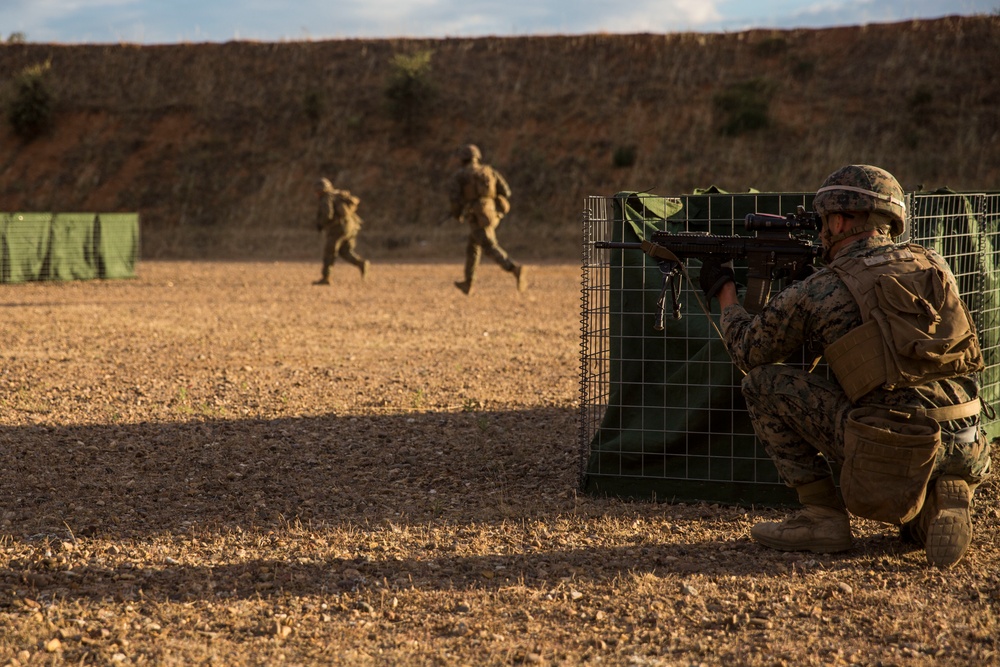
(216, 147)
(221, 464)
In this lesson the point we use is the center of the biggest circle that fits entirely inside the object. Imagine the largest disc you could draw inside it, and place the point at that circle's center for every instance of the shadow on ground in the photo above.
(125, 481)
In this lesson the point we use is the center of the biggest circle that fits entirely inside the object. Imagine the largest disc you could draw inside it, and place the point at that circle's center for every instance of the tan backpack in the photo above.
(480, 183)
(916, 327)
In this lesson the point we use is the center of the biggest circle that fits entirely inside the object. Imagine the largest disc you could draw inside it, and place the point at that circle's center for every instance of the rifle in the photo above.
(776, 250)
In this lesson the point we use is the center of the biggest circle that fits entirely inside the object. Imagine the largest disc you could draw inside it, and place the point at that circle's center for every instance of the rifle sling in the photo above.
(656, 251)
(706, 310)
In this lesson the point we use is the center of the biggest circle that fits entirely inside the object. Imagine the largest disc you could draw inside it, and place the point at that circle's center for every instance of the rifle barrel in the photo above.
(624, 245)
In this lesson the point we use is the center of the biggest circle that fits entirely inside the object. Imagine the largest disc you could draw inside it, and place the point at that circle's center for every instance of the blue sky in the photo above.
(172, 21)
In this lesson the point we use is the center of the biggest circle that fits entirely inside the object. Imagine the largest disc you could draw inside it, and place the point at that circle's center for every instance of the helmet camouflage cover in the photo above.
(862, 187)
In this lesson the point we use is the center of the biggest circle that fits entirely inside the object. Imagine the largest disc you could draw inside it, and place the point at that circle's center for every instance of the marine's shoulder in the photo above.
(823, 285)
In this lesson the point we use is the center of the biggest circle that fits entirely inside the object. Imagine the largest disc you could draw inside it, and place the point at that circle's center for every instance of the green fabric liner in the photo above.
(117, 240)
(71, 248)
(676, 426)
(682, 490)
(68, 246)
(24, 246)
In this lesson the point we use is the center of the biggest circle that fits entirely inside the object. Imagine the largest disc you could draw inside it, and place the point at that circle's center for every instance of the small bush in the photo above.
(921, 106)
(921, 97)
(624, 156)
(17, 38)
(29, 111)
(771, 46)
(745, 107)
(312, 107)
(803, 68)
(409, 90)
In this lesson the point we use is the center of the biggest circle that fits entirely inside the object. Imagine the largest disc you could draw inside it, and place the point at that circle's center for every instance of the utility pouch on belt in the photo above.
(888, 460)
(502, 205)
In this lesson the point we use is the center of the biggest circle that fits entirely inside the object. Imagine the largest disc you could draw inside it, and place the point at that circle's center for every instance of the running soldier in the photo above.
(480, 197)
(337, 216)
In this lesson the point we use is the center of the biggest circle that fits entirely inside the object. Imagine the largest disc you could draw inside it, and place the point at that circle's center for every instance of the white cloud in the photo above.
(154, 21)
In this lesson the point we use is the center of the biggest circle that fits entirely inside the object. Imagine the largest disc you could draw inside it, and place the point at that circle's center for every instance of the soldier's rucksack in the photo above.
(481, 183)
(345, 203)
(916, 327)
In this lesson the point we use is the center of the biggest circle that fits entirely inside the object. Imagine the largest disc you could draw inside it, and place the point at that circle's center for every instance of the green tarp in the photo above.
(68, 246)
(71, 248)
(24, 243)
(117, 242)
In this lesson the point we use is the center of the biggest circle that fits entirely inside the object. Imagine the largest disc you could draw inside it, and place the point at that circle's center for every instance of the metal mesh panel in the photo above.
(964, 229)
(671, 442)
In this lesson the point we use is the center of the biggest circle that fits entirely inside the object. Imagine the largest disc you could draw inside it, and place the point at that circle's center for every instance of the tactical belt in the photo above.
(951, 412)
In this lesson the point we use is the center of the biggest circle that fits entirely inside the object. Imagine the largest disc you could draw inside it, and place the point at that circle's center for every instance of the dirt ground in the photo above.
(223, 464)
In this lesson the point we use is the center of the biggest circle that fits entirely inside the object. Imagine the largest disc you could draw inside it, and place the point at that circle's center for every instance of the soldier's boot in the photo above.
(365, 266)
(465, 286)
(324, 277)
(944, 525)
(821, 526)
(521, 277)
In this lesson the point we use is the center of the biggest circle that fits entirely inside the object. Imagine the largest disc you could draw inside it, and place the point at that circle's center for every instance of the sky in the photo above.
(192, 21)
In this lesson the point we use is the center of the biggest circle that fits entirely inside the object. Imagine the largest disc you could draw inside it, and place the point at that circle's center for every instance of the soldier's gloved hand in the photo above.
(714, 275)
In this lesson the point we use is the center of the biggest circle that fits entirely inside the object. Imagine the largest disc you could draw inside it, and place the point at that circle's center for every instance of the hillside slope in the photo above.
(218, 145)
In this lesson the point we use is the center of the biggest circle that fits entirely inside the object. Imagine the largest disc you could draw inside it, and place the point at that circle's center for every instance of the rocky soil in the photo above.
(219, 463)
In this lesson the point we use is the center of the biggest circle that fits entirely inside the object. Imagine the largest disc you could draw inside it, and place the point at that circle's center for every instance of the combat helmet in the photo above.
(862, 187)
(469, 152)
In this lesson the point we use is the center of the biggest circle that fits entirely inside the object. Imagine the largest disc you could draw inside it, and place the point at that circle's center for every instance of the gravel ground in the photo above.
(223, 464)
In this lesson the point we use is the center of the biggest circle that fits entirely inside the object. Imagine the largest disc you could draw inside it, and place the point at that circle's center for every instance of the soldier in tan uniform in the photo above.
(480, 197)
(901, 413)
(337, 217)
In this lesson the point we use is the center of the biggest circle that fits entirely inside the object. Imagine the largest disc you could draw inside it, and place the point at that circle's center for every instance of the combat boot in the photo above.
(465, 286)
(322, 281)
(815, 528)
(365, 265)
(522, 279)
(944, 525)
(822, 526)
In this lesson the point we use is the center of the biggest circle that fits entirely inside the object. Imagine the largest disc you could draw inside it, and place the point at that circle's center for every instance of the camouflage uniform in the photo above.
(479, 196)
(802, 417)
(337, 216)
(798, 415)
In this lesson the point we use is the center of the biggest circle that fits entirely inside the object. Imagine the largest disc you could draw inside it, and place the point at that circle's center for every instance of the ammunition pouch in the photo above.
(857, 360)
(888, 460)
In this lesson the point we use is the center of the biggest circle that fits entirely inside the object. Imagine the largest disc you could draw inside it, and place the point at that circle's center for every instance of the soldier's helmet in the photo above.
(469, 152)
(324, 185)
(862, 187)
